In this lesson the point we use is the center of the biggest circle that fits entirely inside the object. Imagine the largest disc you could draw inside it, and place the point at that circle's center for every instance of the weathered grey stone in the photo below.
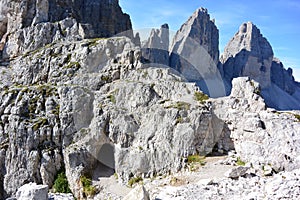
(260, 136)
(55, 196)
(36, 23)
(236, 172)
(248, 54)
(32, 191)
(105, 16)
(283, 78)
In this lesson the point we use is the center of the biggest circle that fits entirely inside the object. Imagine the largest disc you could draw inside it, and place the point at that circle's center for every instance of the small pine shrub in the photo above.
(61, 184)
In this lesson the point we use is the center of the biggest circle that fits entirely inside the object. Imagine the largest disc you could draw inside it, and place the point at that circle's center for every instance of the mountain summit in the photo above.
(250, 54)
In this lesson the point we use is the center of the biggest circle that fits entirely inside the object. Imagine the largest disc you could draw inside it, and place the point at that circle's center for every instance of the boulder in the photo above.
(32, 191)
(236, 172)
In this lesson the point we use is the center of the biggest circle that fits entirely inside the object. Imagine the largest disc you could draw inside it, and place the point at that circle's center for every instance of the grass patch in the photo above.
(200, 97)
(195, 162)
(116, 176)
(134, 180)
(93, 42)
(112, 98)
(180, 105)
(41, 122)
(239, 162)
(179, 120)
(73, 65)
(105, 78)
(297, 117)
(88, 188)
(196, 159)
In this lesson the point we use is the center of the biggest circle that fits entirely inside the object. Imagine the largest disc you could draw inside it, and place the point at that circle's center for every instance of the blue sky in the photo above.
(278, 20)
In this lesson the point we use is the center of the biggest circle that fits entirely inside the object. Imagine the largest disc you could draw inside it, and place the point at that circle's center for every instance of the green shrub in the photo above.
(61, 184)
(201, 97)
(88, 188)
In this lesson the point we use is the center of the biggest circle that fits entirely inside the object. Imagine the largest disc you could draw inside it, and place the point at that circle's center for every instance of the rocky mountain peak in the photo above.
(194, 52)
(248, 53)
(202, 30)
(105, 16)
(248, 38)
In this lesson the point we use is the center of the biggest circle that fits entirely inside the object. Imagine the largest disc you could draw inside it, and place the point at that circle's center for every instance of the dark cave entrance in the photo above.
(105, 165)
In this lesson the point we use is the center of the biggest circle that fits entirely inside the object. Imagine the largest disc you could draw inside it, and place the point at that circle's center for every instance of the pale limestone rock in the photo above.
(32, 191)
(260, 136)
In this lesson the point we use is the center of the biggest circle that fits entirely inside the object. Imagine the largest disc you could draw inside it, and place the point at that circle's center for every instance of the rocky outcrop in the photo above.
(195, 53)
(32, 191)
(139, 193)
(28, 25)
(33, 115)
(249, 54)
(277, 187)
(156, 48)
(91, 106)
(261, 136)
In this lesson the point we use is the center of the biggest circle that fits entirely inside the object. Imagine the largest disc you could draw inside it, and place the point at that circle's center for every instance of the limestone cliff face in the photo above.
(104, 16)
(67, 103)
(27, 25)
